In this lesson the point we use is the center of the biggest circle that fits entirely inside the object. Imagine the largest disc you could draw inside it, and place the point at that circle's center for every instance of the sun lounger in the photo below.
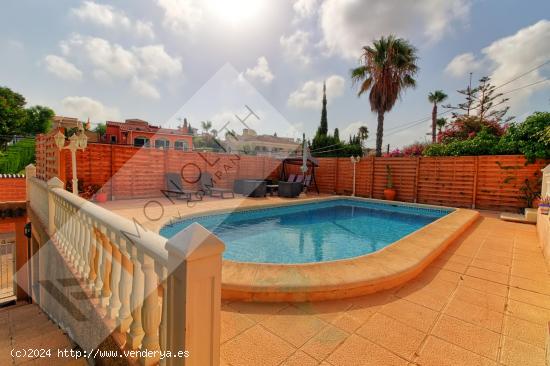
(175, 188)
(206, 184)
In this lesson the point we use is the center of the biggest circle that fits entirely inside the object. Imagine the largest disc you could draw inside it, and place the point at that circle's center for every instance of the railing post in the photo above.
(30, 172)
(52, 183)
(194, 296)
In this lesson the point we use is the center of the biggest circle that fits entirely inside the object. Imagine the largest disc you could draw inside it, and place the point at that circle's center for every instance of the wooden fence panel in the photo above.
(446, 181)
(489, 182)
(404, 177)
(500, 179)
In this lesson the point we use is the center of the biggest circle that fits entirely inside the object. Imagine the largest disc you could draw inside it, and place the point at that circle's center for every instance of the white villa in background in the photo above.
(267, 145)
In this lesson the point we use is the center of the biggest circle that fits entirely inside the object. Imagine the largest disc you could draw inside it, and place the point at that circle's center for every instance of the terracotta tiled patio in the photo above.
(25, 327)
(485, 301)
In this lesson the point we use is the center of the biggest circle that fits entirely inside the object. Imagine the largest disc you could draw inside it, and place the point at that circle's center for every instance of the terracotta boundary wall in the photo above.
(12, 188)
(131, 172)
(483, 182)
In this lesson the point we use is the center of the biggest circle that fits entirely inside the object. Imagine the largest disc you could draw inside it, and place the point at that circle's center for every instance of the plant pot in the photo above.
(101, 197)
(389, 194)
(544, 209)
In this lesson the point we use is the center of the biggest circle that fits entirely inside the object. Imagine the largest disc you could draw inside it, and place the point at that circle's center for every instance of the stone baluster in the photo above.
(99, 260)
(79, 264)
(116, 266)
(107, 259)
(86, 245)
(150, 314)
(135, 335)
(52, 184)
(92, 256)
(125, 314)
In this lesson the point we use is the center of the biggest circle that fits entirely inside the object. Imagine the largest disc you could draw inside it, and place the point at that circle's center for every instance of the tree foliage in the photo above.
(38, 119)
(527, 138)
(15, 119)
(482, 101)
(17, 156)
(388, 67)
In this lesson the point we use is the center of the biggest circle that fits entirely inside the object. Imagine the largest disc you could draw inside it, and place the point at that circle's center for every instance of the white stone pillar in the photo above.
(52, 183)
(30, 172)
(545, 191)
(194, 296)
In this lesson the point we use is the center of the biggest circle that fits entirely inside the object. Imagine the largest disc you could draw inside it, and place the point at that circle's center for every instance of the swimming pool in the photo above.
(312, 232)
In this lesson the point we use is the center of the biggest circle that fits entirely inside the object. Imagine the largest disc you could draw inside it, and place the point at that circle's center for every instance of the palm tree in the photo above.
(435, 97)
(440, 122)
(388, 67)
(363, 134)
(206, 125)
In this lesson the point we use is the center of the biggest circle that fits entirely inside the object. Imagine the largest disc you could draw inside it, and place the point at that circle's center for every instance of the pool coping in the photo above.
(388, 267)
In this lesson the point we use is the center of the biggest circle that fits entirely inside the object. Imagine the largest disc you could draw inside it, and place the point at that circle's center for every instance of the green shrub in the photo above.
(17, 156)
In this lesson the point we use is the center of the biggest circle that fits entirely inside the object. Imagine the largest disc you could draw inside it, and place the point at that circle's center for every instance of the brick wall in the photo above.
(12, 188)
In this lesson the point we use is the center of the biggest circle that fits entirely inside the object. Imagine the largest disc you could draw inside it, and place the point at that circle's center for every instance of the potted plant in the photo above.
(544, 205)
(100, 196)
(389, 192)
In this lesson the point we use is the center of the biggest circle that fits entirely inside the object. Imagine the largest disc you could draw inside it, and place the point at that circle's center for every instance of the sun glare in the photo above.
(236, 11)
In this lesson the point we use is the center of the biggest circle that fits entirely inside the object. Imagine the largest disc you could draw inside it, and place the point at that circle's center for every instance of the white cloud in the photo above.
(85, 107)
(155, 62)
(261, 71)
(305, 8)
(463, 64)
(181, 16)
(310, 94)
(140, 65)
(144, 88)
(515, 54)
(349, 25)
(508, 57)
(294, 46)
(109, 17)
(62, 68)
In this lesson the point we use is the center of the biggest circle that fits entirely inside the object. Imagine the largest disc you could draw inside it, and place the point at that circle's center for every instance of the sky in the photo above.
(165, 60)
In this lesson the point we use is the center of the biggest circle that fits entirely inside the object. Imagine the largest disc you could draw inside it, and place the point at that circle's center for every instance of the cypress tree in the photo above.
(323, 128)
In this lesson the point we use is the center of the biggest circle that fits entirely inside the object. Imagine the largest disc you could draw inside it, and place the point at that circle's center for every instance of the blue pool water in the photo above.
(311, 232)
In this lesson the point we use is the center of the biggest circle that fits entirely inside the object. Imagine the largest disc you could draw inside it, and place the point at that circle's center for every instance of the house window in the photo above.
(162, 144)
(141, 141)
(181, 145)
(113, 139)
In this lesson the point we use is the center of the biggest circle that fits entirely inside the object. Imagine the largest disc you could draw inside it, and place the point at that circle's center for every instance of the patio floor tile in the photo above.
(417, 316)
(485, 285)
(530, 297)
(393, 335)
(300, 359)
(256, 346)
(479, 298)
(528, 312)
(437, 352)
(324, 342)
(476, 315)
(293, 325)
(232, 324)
(497, 277)
(357, 351)
(518, 353)
(523, 330)
(468, 336)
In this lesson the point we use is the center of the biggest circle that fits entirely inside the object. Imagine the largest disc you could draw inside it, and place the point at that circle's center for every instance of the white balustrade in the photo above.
(165, 295)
